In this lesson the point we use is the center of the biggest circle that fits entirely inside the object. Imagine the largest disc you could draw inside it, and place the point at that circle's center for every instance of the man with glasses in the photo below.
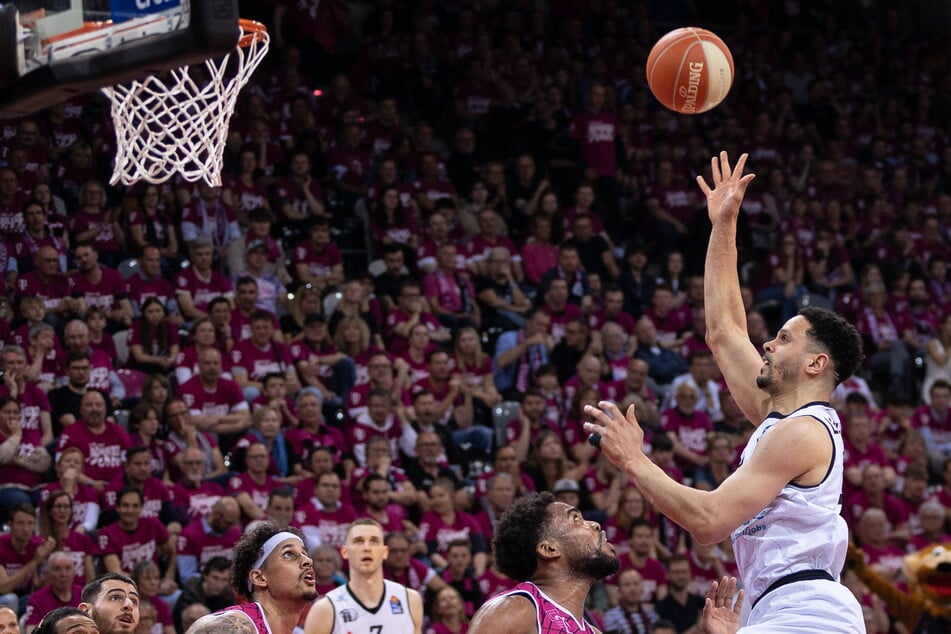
(410, 310)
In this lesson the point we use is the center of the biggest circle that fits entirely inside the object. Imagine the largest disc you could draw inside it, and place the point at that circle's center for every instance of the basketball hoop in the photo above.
(177, 123)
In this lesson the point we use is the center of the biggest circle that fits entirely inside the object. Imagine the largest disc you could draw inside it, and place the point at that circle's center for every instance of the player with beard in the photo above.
(368, 602)
(112, 601)
(271, 567)
(782, 505)
(555, 555)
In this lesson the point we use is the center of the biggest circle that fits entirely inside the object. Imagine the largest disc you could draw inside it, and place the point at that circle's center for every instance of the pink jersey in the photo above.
(104, 293)
(318, 263)
(255, 614)
(13, 561)
(304, 351)
(85, 501)
(104, 452)
(596, 134)
(363, 429)
(44, 601)
(260, 493)
(154, 491)
(690, 430)
(50, 291)
(560, 318)
(438, 534)
(303, 441)
(153, 347)
(78, 546)
(258, 362)
(140, 289)
(398, 344)
(329, 524)
(938, 423)
(31, 404)
(227, 397)
(132, 547)
(202, 289)
(551, 617)
(492, 583)
(186, 364)
(652, 572)
(196, 501)
(416, 576)
(194, 541)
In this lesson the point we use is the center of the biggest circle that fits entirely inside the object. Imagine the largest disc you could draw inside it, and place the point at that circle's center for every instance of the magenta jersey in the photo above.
(78, 546)
(154, 491)
(318, 263)
(131, 547)
(104, 452)
(202, 290)
(140, 289)
(416, 575)
(44, 601)
(691, 430)
(226, 399)
(551, 617)
(86, 498)
(330, 524)
(196, 501)
(104, 293)
(257, 362)
(255, 614)
(259, 492)
(363, 429)
(194, 541)
(13, 561)
(51, 291)
(652, 572)
(438, 534)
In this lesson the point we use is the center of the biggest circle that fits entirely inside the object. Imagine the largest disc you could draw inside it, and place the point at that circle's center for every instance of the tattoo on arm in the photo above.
(232, 621)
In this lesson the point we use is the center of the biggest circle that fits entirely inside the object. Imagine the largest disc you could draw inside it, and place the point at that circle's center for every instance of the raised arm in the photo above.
(726, 318)
(232, 621)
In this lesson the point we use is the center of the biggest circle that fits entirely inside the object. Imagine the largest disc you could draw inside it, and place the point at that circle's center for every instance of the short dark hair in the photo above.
(838, 337)
(124, 491)
(216, 564)
(93, 589)
(261, 315)
(517, 534)
(370, 479)
(248, 549)
(53, 617)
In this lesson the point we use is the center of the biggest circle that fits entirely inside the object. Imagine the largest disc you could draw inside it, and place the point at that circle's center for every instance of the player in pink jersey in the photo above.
(272, 569)
(555, 556)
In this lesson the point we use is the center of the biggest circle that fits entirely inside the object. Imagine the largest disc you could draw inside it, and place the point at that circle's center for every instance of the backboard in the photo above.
(51, 50)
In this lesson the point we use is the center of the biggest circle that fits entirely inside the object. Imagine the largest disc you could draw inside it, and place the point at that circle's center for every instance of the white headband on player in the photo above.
(268, 548)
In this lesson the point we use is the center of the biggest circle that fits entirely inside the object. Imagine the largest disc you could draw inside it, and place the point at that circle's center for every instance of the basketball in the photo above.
(690, 70)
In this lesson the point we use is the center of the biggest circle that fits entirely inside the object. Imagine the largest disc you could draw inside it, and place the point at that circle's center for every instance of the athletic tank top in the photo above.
(550, 616)
(391, 616)
(801, 529)
(255, 612)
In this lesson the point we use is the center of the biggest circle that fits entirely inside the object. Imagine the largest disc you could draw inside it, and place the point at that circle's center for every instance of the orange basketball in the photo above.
(690, 70)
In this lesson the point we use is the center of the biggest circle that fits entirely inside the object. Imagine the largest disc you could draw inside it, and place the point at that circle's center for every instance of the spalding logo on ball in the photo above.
(690, 70)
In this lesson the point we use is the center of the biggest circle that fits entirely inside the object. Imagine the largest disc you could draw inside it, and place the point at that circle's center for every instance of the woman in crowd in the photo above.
(155, 394)
(153, 345)
(94, 222)
(84, 496)
(56, 521)
(390, 224)
(475, 367)
(150, 224)
(146, 576)
(449, 613)
(306, 302)
(352, 337)
(144, 428)
(356, 302)
(548, 462)
(23, 459)
(204, 337)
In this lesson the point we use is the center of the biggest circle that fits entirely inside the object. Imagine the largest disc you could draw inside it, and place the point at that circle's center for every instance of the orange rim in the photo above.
(251, 31)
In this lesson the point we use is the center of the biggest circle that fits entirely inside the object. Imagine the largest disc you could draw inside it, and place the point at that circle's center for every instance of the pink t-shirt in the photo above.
(104, 452)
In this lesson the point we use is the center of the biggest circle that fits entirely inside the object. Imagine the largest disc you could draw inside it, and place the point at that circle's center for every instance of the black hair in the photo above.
(125, 491)
(838, 337)
(248, 549)
(517, 534)
(53, 617)
(93, 589)
(216, 564)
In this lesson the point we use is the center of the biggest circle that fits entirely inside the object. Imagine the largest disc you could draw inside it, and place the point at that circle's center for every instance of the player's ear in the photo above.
(818, 363)
(85, 607)
(257, 577)
(547, 549)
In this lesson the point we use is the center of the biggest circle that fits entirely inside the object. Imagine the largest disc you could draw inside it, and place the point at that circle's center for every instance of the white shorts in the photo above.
(816, 605)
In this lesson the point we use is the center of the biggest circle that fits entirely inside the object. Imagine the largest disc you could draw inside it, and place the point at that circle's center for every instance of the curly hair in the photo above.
(838, 337)
(247, 550)
(517, 533)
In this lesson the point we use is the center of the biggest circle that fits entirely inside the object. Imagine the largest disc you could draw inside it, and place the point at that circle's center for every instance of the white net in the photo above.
(178, 123)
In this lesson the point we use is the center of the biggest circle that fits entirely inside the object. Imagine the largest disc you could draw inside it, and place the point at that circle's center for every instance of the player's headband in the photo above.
(268, 548)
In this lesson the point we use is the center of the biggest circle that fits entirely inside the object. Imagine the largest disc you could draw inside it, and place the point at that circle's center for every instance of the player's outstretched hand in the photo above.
(620, 438)
(721, 615)
(729, 187)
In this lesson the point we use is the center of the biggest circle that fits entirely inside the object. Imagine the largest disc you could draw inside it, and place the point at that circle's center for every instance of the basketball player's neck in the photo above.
(282, 615)
(369, 590)
(794, 397)
(567, 589)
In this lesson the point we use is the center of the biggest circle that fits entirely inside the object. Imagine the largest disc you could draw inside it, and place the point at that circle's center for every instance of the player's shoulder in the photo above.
(513, 613)
(233, 621)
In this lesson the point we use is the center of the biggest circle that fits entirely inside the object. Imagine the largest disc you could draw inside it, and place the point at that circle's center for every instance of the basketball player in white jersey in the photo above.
(782, 505)
(368, 603)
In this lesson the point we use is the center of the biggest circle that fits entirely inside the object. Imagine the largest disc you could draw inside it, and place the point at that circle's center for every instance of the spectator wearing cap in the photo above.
(317, 261)
(271, 291)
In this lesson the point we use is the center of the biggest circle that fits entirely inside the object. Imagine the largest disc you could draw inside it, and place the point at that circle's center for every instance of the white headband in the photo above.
(268, 548)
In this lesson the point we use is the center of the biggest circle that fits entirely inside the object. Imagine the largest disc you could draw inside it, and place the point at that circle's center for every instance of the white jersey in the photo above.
(390, 616)
(801, 529)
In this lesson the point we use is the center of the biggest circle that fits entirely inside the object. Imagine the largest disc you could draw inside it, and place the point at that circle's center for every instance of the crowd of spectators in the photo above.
(443, 229)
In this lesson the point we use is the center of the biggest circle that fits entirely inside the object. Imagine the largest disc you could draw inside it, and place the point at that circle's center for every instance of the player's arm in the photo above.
(512, 615)
(415, 610)
(232, 621)
(320, 619)
(796, 449)
(726, 319)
